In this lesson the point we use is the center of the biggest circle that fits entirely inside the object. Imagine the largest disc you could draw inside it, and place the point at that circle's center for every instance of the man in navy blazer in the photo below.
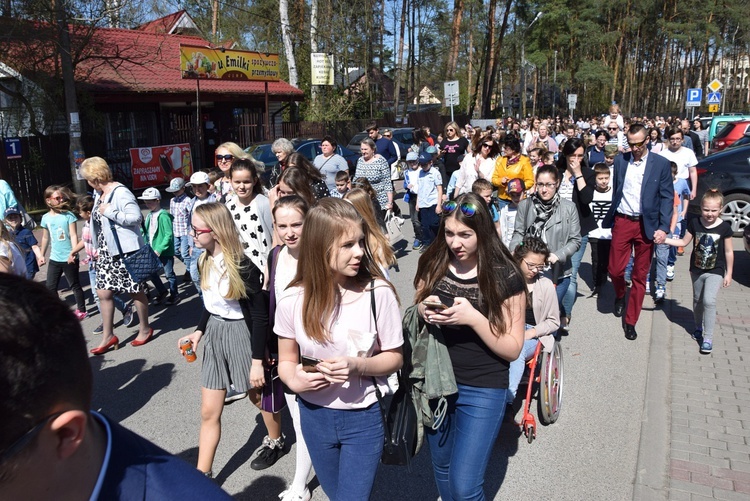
(642, 205)
(51, 445)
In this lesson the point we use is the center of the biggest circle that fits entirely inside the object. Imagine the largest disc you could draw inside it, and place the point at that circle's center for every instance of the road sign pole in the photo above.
(452, 110)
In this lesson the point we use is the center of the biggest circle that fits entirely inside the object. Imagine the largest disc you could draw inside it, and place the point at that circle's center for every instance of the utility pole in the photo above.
(523, 64)
(71, 102)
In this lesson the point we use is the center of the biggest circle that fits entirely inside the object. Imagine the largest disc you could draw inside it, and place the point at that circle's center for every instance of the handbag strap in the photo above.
(381, 402)
(115, 223)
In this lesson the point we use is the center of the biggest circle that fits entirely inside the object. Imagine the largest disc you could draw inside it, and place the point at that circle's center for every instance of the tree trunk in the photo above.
(288, 47)
(492, 71)
(486, 85)
(400, 57)
(71, 100)
(313, 43)
(215, 21)
(458, 10)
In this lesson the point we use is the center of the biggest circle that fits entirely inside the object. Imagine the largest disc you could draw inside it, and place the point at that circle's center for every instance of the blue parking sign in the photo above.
(694, 97)
(12, 148)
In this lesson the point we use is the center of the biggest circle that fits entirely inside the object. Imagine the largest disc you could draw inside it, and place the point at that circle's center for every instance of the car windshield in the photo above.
(357, 138)
(263, 153)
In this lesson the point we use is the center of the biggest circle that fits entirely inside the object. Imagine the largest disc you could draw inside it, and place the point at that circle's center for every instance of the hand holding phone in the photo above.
(309, 364)
(434, 305)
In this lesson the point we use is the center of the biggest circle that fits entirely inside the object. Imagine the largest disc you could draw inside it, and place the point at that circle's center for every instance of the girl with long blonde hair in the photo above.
(343, 319)
(234, 324)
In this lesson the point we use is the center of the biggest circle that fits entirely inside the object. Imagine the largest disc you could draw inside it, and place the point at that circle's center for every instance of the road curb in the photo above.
(651, 477)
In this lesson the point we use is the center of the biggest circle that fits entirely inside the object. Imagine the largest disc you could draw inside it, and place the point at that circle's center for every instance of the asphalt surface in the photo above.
(591, 452)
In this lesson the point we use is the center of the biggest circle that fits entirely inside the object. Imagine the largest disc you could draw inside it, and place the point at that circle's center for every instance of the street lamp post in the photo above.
(523, 65)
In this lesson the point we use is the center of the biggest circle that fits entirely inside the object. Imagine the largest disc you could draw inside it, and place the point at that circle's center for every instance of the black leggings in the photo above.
(55, 269)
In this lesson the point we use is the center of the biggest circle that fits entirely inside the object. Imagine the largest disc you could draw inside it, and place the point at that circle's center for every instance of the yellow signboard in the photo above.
(322, 68)
(226, 64)
(713, 108)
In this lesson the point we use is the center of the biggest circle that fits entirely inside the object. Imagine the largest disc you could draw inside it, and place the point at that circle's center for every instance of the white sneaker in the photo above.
(290, 495)
(670, 272)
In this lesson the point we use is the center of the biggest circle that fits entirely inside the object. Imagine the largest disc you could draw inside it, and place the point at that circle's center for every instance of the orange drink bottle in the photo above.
(186, 346)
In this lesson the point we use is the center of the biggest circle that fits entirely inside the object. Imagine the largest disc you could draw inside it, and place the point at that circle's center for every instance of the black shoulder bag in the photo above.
(399, 416)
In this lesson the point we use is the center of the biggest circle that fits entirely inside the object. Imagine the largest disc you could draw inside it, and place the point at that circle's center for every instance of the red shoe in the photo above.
(113, 344)
(141, 343)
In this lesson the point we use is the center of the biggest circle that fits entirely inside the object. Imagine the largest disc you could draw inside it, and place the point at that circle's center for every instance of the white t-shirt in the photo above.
(353, 332)
(684, 158)
(17, 260)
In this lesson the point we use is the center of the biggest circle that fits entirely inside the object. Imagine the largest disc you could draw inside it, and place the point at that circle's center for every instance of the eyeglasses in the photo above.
(468, 209)
(26, 438)
(547, 185)
(534, 267)
(59, 199)
(485, 145)
(225, 158)
(387, 135)
(613, 128)
(198, 231)
(637, 145)
(451, 130)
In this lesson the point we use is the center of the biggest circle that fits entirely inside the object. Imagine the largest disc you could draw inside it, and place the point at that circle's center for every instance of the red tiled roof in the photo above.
(119, 62)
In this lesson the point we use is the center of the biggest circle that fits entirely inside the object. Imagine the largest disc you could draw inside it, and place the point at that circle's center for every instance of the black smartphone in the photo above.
(309, 363)
(434, 305)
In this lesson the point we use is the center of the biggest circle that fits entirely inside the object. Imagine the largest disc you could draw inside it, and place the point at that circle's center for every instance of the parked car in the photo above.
(729, 171)
(402, 136)
(310, 148)
(741, 141)
(746, 238)
(729, 134)
(719, 121)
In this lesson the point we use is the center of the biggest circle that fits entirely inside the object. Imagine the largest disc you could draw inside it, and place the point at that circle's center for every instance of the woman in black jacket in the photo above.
(577, 182)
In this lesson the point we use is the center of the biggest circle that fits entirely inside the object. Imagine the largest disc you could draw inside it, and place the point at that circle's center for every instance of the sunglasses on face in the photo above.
(637, 145)
(451, 130)
(225, 158)
(468, 209)
(485, 145)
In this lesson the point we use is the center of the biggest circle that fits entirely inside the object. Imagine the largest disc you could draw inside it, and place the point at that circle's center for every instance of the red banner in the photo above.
(158, 165)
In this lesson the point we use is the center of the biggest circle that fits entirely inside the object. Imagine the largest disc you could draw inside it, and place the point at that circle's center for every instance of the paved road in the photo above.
(592, 452)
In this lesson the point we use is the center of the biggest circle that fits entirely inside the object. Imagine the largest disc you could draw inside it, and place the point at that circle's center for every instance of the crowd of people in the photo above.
(502, 218)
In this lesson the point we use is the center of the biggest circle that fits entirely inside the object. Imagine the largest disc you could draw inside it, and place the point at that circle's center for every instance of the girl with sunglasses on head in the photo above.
(469, 287)
(226, 153)
(233, 328)
(548, 216)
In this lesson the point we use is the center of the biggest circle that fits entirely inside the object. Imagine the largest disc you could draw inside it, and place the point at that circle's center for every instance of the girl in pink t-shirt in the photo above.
(326, 316)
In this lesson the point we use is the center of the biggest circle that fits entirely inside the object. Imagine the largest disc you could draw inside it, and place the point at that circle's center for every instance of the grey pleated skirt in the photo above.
(227, 355)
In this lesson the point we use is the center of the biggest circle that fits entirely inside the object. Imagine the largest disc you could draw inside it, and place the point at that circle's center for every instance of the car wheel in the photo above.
(737, 212)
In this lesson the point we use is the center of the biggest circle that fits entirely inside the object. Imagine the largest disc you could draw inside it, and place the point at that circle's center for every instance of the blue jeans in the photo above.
(345, 448)
(571, 293)
(461, 447)
(181, 246)
(168, 264)
(561, 288)
(515, 371)
(662, 255)
(119, 303)
(679, 230)
(430, 223)
(195, 275)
